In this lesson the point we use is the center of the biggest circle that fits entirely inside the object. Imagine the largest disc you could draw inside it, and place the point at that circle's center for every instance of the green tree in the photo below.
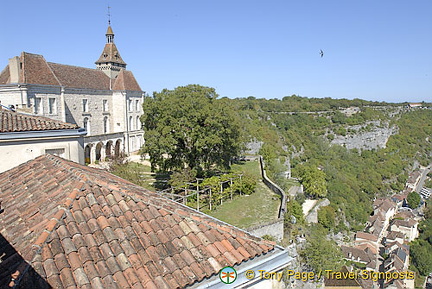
(413, 199)
(314, 182)
(320, 253)
(293, 209)
(421, 253)
(326, 217)
(189, 126)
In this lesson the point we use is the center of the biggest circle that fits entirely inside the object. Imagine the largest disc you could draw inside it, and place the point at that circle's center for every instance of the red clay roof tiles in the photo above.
(126, 81)
(36, 70)
(97, 241)
(17, 122)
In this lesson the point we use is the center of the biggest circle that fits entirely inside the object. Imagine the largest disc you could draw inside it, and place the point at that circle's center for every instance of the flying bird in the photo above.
(321, 53)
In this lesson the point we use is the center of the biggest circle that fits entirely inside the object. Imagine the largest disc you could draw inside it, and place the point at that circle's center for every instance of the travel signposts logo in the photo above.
(228, 275)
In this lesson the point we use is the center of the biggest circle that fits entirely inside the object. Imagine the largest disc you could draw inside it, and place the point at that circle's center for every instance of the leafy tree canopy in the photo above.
(314, 181)
(326, 217)
(321, 253)
(189, 127)
(413, 199)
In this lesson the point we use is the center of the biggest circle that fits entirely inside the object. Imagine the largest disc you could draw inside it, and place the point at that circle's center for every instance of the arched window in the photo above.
(130, 123)
(138, 123)
(105, 124)
(86, 125)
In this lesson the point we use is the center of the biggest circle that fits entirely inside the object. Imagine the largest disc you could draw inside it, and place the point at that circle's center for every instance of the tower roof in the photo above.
(110, 54)
(109, 31)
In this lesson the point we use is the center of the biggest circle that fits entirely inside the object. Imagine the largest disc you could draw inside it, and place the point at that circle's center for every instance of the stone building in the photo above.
(24, 137)
(106, 101)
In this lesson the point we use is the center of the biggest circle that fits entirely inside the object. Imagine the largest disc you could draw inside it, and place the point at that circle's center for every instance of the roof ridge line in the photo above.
(49, 67)
(69, 65)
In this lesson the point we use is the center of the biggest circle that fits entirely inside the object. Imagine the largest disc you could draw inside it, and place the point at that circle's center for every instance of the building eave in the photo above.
(28, 135)
(273, 261)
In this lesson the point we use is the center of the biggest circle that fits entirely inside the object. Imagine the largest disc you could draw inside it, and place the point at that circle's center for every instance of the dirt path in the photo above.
(308, 205)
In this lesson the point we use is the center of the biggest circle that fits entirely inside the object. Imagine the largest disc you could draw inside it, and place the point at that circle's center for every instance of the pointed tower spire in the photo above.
(110, 60)
(109, 34)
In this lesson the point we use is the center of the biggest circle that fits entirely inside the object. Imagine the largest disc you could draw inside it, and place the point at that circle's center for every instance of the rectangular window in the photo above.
(56, 152)
(130, 104)
(85, 105)
(52, 108)
(105, 105)
(137, 105)
(38, 106)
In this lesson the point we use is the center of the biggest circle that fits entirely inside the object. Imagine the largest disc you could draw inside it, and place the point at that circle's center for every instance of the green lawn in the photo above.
(249, 167)
(243, 211)
(248, 211)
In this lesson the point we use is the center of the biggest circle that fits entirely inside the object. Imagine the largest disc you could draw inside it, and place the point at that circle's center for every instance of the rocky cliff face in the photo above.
(371, 135)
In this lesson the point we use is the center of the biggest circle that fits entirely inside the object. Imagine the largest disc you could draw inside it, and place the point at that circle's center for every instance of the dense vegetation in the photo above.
(189, 126)
(190, 133)
(421, 249)
(352, 178)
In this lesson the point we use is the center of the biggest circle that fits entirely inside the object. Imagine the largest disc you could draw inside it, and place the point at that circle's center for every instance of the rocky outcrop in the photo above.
(371, 135)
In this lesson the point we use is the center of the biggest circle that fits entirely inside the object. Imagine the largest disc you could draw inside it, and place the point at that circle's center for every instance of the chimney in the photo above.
(15, 69)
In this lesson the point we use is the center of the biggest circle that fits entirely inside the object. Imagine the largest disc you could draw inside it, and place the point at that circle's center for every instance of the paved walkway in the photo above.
(308, 205)
(137, 158)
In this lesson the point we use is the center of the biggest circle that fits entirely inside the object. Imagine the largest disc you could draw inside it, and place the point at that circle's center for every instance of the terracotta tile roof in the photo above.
(357, 254)
(80, 77)
(384, 204)
(407, 223)
(16, 122)
(393, 235)
(367, 246)
(36, 70)
(405, 215)
(82, 227)
(366, 236)
(126, 81)
(4, 75)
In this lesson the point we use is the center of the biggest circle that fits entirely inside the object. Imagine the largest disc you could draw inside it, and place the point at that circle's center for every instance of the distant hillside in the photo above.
(366, 149)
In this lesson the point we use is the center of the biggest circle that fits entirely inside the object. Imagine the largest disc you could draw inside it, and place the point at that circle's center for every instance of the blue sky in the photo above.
(373, 49)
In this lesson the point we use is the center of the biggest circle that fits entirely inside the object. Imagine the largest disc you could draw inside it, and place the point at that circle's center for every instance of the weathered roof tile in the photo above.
(17, 122)
(99, 241)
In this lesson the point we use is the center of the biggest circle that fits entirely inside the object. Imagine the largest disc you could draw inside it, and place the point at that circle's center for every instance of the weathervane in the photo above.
(109, 15)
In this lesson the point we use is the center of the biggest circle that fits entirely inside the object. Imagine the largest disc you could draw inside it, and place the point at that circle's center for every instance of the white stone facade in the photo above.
(19, 150)
(108, 108)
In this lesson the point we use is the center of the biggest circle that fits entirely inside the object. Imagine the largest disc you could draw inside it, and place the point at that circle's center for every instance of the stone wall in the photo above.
(275, 188)
(274, 229)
